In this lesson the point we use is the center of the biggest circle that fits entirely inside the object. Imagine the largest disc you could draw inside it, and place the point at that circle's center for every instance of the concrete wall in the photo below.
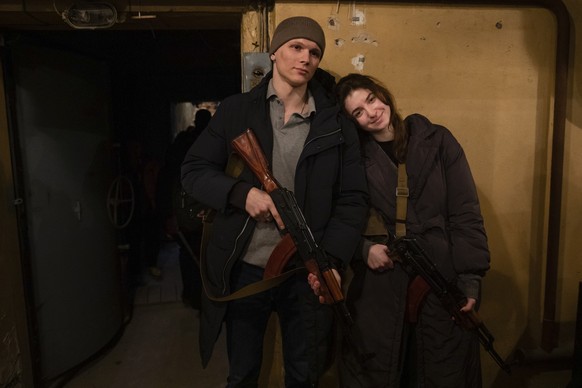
(487, 73)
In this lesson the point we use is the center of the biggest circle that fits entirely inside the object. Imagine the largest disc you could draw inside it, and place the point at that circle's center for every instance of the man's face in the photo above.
(296, 60)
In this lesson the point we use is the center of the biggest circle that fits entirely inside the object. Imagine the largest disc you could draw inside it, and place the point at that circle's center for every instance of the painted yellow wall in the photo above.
(486, 73)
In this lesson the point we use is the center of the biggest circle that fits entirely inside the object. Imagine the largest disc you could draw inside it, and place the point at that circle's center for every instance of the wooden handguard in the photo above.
(328, 285)
(333, 287)
(248, 147)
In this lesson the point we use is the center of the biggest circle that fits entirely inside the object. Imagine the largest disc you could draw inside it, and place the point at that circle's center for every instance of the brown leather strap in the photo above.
(375, 225)
(401, 200)
(248, 290)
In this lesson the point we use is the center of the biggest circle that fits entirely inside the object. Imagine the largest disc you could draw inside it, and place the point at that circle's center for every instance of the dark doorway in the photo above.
(147, 72)
(150, 70)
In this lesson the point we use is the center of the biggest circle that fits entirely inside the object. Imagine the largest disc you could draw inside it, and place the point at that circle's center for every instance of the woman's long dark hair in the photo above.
(353, 81)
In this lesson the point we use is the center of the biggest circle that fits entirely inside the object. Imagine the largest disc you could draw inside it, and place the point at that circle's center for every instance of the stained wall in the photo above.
(488, 74)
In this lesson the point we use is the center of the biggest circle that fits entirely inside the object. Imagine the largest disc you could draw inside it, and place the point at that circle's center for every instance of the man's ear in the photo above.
(273, 57)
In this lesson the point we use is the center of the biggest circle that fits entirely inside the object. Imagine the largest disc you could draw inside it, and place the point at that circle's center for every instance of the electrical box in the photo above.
(254, 68)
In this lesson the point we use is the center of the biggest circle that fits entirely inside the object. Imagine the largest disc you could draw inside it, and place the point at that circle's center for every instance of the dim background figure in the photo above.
(180, 213)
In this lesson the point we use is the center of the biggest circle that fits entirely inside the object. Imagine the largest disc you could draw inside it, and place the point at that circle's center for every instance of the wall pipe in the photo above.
(549, 339)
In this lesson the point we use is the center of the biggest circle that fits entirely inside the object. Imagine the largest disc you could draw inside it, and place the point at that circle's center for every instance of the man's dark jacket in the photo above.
(330, 187)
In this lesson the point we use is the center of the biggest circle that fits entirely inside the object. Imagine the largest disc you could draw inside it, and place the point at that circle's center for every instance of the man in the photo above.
(314, 152)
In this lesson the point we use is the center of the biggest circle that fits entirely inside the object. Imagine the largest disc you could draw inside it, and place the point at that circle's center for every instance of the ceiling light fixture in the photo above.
(89, 15)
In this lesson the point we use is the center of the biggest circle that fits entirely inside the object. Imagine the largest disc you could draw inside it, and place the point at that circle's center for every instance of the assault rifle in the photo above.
(296, 231)
(297, 236)
(416, 261)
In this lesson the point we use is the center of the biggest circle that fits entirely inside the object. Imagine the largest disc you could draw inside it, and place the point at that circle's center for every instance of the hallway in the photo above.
(159, 346)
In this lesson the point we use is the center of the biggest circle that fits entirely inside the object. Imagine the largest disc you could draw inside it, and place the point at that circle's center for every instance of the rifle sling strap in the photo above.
(418, 288)
(401, 200)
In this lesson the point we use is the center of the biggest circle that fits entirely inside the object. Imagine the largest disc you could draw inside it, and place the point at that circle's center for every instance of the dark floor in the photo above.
(159, 346)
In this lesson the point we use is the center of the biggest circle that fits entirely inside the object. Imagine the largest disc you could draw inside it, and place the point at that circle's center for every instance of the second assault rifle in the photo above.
(415, 261)
(297, 236)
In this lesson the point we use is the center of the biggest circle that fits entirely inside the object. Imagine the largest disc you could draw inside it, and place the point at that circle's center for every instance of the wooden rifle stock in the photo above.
(249, 149)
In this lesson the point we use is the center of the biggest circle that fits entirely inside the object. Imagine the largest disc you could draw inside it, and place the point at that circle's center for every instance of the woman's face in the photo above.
(371, 114)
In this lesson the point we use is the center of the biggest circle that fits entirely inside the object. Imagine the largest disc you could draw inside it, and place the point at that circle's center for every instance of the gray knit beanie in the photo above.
(297, 27)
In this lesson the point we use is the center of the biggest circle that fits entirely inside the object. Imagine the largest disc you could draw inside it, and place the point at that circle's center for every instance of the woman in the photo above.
(443, 215)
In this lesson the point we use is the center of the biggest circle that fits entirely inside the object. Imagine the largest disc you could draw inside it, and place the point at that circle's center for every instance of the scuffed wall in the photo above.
(486, 73)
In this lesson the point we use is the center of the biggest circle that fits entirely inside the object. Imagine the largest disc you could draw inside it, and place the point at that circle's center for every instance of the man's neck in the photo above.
(293, 97)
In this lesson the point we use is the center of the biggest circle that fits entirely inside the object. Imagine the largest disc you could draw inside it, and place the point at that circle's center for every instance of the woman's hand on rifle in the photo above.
(379, 259)
(470, 305)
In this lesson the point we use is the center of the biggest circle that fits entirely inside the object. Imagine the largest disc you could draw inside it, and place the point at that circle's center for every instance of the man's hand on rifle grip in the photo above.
(315, 283)
(261, 207)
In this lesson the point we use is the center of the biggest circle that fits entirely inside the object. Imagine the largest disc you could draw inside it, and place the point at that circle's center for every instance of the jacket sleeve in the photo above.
(466, 229)
(342, 234)
(203, 167)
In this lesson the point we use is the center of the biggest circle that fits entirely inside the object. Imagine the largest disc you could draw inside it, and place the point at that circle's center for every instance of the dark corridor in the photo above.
(150, 70)
(66, 159)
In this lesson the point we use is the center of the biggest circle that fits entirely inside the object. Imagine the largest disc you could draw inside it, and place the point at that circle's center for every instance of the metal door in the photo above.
(62, 124)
